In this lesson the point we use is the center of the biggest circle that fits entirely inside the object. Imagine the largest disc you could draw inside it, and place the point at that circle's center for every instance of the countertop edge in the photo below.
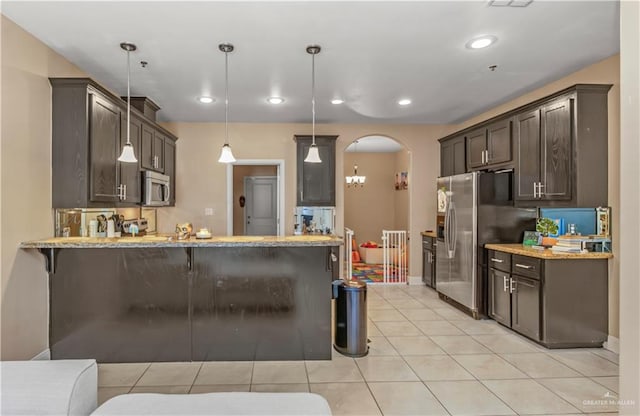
(546, 254)
(119, 243)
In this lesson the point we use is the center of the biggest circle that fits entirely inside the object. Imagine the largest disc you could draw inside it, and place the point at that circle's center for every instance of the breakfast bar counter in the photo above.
(147, 299)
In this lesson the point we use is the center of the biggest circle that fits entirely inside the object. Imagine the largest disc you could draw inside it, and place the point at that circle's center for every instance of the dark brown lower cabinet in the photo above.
(525, 306)
(560, 303)
(191, 303)
(500, 296)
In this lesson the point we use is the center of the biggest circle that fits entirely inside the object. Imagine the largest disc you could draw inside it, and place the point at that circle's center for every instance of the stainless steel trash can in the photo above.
(350, 318)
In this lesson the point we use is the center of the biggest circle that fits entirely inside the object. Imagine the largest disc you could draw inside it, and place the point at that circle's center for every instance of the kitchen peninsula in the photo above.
(154, 298)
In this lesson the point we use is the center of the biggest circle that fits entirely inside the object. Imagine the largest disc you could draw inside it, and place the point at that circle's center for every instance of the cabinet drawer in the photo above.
(526, 266)
(500, 260)
(427, 243)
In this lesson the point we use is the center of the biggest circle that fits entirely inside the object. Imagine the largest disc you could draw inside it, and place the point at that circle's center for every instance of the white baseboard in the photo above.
(414, 280)
(44, 355)
(612, 344)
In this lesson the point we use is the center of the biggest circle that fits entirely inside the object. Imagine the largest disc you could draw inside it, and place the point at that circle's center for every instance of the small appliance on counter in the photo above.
(134, 227)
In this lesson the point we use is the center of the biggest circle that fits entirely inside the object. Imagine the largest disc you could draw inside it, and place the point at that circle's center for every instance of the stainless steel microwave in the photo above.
(157, 189)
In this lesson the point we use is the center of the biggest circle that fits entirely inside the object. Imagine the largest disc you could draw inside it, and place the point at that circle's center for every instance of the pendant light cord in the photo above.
(313, 99)
(128, 99)
(226, 98)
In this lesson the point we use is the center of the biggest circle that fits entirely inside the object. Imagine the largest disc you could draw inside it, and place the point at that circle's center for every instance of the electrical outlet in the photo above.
(208, 211)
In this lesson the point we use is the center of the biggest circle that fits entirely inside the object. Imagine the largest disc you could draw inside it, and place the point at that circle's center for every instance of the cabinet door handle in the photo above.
(124, 192)
(512, 287)
(497, 260)
(535, 190)
(540, 186)
(524, 266)
(486, 157)
(505, 286)
(482, 157)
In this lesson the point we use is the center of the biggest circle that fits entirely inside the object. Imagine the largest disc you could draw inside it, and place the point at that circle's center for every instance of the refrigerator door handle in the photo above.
(454, 227)
(447, 226)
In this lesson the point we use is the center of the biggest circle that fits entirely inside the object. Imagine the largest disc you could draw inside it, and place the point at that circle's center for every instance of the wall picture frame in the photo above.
(402, 181)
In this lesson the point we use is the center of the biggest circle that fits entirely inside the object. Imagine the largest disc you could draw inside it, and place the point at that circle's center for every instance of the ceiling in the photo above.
(373, 54)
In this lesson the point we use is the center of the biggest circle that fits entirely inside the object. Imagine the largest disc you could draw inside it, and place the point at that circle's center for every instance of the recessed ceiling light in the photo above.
(205, 100)
(481, 42)
(337, 101)
(275, 100)
(404, 101)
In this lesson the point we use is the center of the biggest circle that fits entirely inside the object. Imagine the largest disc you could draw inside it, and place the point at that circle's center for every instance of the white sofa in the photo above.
(215, 404)
(60, 387)
(70, 387)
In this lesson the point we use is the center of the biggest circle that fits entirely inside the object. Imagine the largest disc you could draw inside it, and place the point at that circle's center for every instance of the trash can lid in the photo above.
(355, 284)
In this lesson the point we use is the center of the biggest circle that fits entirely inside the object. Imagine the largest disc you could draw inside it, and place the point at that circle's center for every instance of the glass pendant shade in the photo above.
(127, 155)
(226, 156)
(313, 156)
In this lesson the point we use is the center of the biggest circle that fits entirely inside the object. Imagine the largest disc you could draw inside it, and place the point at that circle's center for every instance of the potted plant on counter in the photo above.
(547, 227)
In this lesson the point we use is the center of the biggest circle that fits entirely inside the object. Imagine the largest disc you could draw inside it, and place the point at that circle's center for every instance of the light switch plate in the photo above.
(208, 211)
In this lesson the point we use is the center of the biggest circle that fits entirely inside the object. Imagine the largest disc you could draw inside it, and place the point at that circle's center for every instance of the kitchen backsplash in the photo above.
(76, 221)
(315, 219)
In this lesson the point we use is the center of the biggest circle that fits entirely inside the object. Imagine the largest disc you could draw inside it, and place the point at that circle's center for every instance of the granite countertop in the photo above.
(546, 254)
(429, 234)
(170, 241)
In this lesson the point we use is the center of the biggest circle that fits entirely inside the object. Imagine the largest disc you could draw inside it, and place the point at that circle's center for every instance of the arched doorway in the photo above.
(380, 203)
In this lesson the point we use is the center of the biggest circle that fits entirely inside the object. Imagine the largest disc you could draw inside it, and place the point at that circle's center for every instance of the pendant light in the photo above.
(225, 155)
(313, 156)
(355, 179)
(128, 155)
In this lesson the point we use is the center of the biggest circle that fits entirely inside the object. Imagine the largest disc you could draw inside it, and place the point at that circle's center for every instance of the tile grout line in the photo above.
(196, 377)
(140, 378)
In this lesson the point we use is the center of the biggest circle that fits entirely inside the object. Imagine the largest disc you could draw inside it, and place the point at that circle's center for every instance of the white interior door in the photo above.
(261, 205)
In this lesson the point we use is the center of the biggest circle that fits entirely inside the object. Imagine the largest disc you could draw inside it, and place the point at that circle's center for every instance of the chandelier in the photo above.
(355, 179)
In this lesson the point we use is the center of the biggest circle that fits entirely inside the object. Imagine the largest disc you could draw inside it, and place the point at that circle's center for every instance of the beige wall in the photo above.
(369, 209)
(401, 198)
(239, 173)
(630, 207)
(201, 180)
(603, 72)
(26, 187)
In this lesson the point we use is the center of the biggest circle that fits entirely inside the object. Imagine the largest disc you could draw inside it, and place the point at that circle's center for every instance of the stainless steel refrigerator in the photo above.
(474, 209)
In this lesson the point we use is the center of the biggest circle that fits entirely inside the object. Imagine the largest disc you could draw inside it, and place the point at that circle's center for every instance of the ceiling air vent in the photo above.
(511, 3)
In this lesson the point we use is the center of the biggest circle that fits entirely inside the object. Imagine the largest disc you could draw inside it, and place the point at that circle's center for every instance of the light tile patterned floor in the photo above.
(426, 358)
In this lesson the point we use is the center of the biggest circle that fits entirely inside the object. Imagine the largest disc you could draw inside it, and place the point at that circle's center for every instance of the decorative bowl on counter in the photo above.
(203, 233)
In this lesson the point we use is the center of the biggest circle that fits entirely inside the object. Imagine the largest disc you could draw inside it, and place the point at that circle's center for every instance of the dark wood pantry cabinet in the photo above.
(316, 182)
(89, 128)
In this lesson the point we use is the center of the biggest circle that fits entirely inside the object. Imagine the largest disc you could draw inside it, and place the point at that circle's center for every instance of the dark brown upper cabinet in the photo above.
(316, 182)
(152, 149)
(170, 168)
(89, 127)
(562, 148)
(489, 146)
(452, 156)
